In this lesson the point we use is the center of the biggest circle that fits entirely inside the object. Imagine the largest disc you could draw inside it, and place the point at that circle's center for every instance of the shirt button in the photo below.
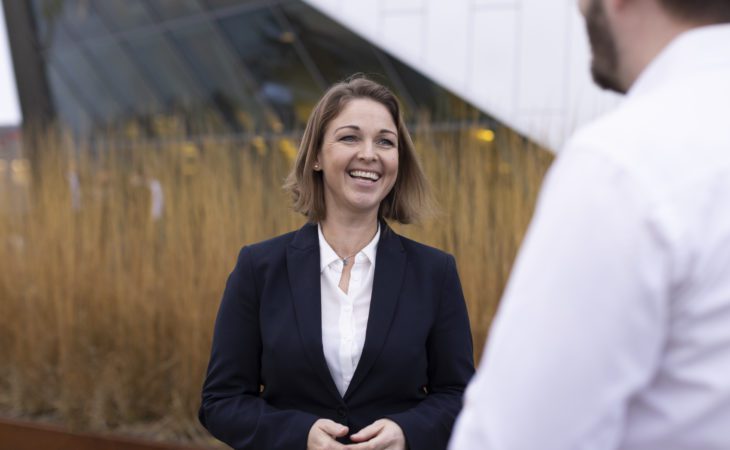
(342, 411)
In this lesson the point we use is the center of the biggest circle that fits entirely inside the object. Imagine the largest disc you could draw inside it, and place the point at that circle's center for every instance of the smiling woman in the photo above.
(358, 159)
(316, 344)
(351, 114)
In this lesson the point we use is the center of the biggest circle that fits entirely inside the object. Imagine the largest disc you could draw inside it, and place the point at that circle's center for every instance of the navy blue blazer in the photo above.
(268, 381)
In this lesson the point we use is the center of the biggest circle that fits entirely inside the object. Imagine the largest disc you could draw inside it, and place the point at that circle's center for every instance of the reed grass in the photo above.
(106, 314)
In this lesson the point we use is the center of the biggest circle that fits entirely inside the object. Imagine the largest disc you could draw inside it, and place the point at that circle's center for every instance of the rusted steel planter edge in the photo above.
(27, 435)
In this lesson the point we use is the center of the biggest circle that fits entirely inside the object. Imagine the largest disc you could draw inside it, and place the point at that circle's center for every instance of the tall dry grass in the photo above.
(106, 314)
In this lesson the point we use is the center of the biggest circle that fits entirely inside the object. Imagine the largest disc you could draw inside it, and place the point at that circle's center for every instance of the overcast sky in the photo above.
(9, 108)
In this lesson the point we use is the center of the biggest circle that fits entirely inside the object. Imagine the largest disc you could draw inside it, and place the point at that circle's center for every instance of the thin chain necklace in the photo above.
(346, 259)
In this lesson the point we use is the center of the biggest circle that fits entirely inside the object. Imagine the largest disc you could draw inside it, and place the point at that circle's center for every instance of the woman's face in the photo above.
(359, 158)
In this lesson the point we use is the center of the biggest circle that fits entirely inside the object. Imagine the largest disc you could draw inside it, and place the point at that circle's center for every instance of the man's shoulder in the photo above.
(672, 121)
(666, 137)
(632, 126)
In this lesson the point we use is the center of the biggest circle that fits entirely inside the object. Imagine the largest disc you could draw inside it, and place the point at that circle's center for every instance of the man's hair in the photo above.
(410, 198)
(699, 11)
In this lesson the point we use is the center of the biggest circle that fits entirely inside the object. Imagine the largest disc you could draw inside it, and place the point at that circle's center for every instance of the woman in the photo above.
(343, 334)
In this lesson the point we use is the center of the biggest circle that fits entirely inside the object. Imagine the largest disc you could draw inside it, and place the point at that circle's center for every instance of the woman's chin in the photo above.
(364, 208)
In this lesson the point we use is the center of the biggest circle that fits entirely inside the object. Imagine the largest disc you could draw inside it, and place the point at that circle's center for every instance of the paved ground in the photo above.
(18, 435)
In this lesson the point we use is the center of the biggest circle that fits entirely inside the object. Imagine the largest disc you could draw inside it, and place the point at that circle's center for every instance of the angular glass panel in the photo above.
(172, 9)
(125, 15)
(268, 53)
(61, 22)
(218, 68)
(82, 20)
(337, 52)
(84, 75)
(163, 66)
(45, 17)
(118, 69)
(228, 65)
(219, 4)
(68, 107)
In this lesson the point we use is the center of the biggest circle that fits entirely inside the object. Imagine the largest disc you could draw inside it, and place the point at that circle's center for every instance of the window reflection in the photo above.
(120, 70)
(231, 66)
(49, 15)
(216, 4)
(81, 19)
(266, 49)
(172, 9)
(219, 72)
(167, 72)
(336, 51)
(70, 109)
(77, 67)
(125, 14)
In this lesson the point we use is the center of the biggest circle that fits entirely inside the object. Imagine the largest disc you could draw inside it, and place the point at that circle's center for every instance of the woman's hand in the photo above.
(383, 434)
(323, 433)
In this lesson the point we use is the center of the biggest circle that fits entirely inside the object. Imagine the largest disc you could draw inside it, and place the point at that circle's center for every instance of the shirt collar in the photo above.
(694, 51)
(327, 255)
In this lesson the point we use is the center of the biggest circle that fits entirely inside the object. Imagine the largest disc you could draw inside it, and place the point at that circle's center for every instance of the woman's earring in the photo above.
(316, 166)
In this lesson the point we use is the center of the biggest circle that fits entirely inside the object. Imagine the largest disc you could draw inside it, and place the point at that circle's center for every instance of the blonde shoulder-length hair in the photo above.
(410, 198)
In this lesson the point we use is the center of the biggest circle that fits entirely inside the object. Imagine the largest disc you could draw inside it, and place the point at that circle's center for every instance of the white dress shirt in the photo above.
(614, 330)
(345, 316)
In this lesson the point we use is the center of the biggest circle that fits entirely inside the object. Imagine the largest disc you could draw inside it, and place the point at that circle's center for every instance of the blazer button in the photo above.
(342, 411)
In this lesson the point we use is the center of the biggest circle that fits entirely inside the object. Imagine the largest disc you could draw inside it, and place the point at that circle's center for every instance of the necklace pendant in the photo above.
(344, 262)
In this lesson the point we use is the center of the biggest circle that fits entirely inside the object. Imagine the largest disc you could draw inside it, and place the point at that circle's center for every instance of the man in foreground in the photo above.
(614, 330)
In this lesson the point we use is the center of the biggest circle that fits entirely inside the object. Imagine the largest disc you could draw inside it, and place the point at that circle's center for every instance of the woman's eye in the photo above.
(386, 143)
(348, 138)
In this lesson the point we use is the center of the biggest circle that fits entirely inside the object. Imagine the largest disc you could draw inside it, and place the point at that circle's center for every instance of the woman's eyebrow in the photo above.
(356, 128)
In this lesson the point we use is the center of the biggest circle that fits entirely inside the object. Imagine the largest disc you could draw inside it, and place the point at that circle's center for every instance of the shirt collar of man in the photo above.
(693, 51)
(327, 255)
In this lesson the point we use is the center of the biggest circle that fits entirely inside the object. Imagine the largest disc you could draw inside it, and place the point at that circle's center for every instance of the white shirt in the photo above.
(345, 316)
(614, 330)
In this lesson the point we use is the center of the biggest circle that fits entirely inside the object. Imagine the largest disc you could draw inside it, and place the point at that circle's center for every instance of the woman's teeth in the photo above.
(365, 174)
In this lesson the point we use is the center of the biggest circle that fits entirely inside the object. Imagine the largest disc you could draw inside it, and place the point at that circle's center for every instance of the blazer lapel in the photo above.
(302, 260)
(390, 264)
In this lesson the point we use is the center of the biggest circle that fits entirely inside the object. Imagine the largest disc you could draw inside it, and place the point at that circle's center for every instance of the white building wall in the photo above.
(9, 106)
(525, 62)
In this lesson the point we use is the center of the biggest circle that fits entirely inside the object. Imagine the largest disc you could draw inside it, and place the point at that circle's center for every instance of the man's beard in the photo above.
(604, 66)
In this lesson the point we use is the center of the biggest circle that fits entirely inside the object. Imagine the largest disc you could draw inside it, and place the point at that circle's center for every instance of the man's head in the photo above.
(625, 35)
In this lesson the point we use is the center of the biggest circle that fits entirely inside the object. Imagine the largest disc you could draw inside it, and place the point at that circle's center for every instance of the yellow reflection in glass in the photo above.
(484, 134)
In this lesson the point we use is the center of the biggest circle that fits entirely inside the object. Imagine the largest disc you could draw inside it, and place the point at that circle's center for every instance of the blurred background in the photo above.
(143, 142)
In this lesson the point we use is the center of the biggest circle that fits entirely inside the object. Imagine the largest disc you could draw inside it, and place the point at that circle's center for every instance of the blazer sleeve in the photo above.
(232, 409)
(450, 366)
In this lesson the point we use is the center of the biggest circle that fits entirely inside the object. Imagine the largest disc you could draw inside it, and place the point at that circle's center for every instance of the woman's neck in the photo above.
(347, 236)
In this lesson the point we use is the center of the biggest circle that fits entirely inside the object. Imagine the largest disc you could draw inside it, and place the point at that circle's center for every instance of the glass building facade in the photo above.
(239, 67)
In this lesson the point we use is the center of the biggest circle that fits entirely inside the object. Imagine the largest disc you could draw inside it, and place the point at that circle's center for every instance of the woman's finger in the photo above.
(368, 432)
(332, 428)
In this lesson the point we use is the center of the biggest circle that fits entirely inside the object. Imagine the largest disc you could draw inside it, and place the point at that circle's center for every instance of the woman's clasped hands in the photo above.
(383, 434)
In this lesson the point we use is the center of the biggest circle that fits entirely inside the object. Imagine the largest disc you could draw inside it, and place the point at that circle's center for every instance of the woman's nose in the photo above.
(367, 151)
